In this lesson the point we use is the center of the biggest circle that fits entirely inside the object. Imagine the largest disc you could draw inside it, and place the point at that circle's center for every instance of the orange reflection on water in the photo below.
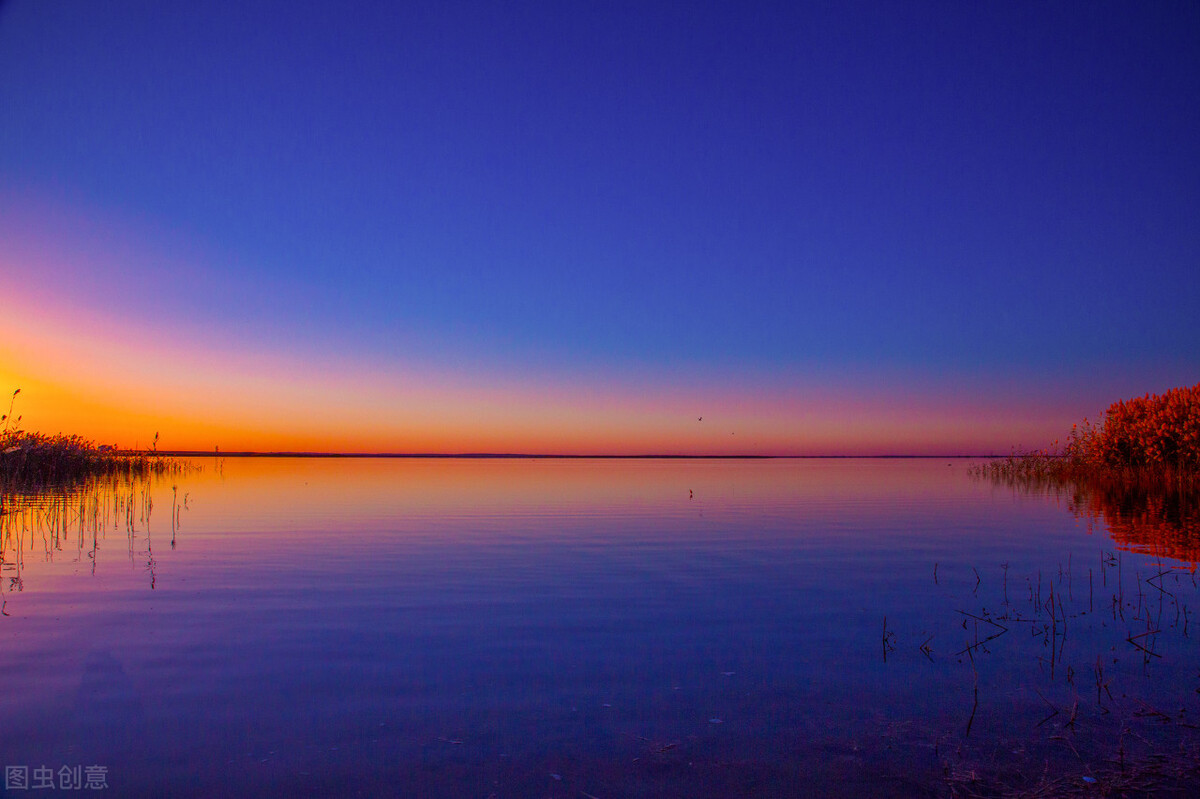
(356, 493)
(231, 511)
(1160, 520)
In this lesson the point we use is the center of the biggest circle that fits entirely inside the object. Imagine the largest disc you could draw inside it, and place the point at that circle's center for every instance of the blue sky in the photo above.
(709, 191)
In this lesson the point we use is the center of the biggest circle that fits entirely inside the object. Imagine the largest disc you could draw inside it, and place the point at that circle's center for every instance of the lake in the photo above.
(596, 628)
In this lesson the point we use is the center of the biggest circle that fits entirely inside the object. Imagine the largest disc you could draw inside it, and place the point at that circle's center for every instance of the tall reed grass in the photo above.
(1137, 470)
(33, 462)
(1149, 440)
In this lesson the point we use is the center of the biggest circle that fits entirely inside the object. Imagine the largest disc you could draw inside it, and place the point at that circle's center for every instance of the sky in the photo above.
(572, 227)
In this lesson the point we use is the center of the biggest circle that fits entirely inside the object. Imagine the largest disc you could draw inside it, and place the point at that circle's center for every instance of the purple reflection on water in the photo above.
(579, 627)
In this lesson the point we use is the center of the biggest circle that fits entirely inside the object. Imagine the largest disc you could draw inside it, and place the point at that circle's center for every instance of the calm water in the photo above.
(600, 628)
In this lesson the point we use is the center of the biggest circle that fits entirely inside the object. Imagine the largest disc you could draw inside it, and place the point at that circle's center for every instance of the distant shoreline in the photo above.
(547, 456)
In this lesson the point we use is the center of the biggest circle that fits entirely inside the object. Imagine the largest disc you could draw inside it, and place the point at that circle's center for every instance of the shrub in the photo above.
(1159, 431)
(1154, 437)
(1138, 469)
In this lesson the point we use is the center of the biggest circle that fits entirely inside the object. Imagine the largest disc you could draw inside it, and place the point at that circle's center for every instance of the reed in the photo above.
(1150, 440)
(1136, 472)
(1113, 684)
(34, 462)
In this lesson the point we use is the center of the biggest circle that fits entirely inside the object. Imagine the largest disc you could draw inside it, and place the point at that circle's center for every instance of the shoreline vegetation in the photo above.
(31, 463)
(1148, 441)
(1136, 473)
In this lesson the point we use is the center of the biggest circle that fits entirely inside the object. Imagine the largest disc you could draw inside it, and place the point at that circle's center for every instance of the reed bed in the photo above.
(31, 463)
(1147, 441)
(1136, 472)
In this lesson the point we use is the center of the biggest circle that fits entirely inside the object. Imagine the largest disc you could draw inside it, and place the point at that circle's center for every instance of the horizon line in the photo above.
(529, 455)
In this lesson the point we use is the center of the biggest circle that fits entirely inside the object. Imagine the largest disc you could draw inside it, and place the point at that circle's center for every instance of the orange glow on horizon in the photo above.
(119, 379)
(123, 393)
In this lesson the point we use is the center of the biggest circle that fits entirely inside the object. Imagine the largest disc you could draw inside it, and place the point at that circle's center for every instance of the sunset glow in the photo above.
(121, 378)
(433, 272)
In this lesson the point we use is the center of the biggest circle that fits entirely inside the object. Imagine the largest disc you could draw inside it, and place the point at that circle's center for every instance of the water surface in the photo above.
(593, 627)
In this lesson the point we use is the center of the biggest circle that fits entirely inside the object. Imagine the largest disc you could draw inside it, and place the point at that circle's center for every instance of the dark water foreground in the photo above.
(596, 628)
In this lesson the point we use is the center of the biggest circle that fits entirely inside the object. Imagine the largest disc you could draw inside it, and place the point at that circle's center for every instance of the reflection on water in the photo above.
(69, 522)
(1157, 520)
(1153, 517)
(597, 627)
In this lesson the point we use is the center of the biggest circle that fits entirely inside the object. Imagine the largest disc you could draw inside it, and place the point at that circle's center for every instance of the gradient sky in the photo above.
(578, 227)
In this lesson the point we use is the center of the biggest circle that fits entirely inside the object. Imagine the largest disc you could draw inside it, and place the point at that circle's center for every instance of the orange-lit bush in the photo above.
(1138, 471)
(1153, 437)
(1155, 432)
